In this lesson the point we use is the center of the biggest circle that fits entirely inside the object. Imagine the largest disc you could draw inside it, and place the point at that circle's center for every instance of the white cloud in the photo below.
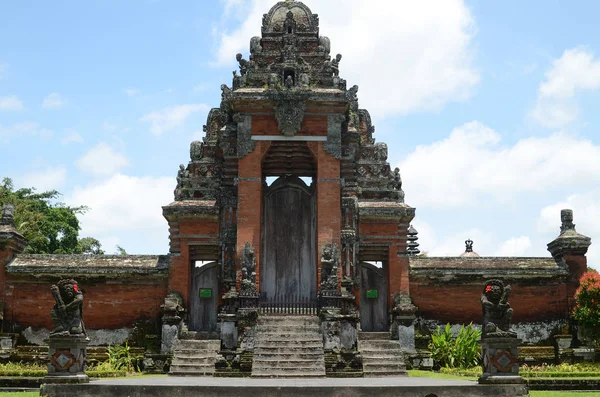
(52, 178)
(71, 136)
(516, 246)
(173, 117)
(10, 103)
(126, 209)
(575, 71)
(471, 165)
(586, 214)
(131, 91)
(485, 243)
(24, 129)
(53, 101)
(428, 65)
(102, 160)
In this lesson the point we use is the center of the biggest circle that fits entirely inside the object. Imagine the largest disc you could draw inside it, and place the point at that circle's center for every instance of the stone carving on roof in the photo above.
(8, 215)
(289, 65)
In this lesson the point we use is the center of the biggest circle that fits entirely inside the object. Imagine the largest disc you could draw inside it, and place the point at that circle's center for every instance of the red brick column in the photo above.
(329, 205)
(249, 214)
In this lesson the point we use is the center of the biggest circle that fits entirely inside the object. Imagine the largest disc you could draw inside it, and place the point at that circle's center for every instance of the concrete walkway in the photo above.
(246, 387)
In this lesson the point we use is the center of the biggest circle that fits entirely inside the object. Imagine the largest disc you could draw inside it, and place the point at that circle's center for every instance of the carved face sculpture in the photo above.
(493, 292)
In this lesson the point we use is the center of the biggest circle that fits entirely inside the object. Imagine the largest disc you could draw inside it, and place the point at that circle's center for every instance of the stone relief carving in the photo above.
(497, 313)
(255, 45)
(333, 146)
(248, 284)
(290, 106)
(245, 144)
(67, 313)
(330, 258)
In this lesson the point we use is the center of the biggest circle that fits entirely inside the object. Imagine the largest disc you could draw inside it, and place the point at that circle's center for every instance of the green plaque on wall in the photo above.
(372, 293)
(205, 293)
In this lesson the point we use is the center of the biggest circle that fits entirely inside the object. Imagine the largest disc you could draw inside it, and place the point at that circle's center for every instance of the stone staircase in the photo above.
(193, 357)
(381, 356)
(288, 347)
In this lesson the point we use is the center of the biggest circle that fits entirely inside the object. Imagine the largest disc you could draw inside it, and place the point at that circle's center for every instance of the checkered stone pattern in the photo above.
(500, 357)
(67, 355)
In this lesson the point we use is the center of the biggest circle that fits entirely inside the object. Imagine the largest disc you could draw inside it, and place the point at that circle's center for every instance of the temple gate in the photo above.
(289, 115)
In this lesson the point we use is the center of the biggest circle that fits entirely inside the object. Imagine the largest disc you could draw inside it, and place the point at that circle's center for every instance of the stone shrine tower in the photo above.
(335, 204)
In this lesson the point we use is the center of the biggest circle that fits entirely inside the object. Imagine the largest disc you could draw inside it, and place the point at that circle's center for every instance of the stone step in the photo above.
(310, 344)
(198, 344)
(194, 360)
(194, 353)
(193, 365)
(282, 350)
(382, 361)
(281, 365)
(378, 345)
(287, 329)
(373, 336)
(383, 366)
(190, 373)
(286, 356)
(382, 355)
(285, 337)
(282, 320)
(288, 374)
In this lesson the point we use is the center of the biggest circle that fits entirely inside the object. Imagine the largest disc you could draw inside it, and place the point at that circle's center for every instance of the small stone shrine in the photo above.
(68, 341)
(498, 342)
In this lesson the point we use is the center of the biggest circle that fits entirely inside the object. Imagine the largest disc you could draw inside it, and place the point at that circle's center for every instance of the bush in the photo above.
(460, 352)
(120, 358)
(587, 306)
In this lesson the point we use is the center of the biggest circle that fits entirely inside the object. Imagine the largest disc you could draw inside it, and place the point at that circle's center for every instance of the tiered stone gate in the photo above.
(289, 115)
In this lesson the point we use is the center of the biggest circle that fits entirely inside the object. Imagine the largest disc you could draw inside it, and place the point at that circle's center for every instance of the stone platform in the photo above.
(244, 387)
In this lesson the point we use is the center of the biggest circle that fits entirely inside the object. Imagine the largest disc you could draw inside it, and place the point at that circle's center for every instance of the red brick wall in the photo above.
(460, 302)
(106, 305)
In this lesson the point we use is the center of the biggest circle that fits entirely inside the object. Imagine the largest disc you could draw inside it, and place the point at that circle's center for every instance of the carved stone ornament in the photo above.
(289, 110)
(245, 144)
(333, 146)
(248, 270)
(68, 309)
(497, 313)
(289, 106)
(330, 258)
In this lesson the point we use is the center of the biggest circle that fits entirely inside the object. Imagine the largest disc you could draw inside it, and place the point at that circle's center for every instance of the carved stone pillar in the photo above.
(67, 359)
(500, 360)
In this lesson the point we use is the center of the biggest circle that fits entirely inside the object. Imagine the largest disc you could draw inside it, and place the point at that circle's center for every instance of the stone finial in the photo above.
(566, 217)
(8, 215)
(569, 242)
(413, 246)
(469, 253)
(469, 245)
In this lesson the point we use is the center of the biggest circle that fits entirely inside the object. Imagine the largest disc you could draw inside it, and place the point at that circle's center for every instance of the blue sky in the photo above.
(489, 108)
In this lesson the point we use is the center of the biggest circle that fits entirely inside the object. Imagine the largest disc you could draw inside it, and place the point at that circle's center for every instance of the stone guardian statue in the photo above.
(67, 313)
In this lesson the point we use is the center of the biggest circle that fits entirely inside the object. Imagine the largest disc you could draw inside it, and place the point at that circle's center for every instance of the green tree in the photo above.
(49, 226)
(120, 250)
(587, 306)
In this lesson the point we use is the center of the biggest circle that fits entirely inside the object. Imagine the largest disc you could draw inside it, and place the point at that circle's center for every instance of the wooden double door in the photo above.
(288, 269)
